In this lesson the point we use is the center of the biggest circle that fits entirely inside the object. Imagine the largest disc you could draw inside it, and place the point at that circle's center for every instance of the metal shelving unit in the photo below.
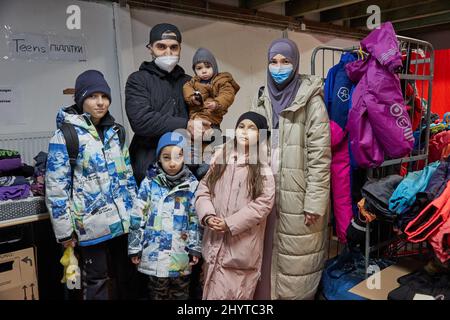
(418, 72)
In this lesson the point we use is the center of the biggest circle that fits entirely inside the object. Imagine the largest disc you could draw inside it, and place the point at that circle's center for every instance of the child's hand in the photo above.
(311, 218)
(136, 260)
(211, 105)
(194, 261)
(69, 243)
(218, 224)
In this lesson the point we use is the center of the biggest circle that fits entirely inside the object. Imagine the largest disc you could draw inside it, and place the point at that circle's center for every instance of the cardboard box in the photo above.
(378, 285)
(18, 280)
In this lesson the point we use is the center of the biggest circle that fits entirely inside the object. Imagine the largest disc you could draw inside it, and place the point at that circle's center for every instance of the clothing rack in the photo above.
(420, 64)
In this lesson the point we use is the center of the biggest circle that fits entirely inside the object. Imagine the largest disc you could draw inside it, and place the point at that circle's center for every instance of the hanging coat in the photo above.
(337, 96)
(233, 260)
(378, 123)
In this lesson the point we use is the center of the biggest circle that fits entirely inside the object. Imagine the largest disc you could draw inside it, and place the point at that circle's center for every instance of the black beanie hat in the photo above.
(259, 120)
(158, 33)
(87, 83)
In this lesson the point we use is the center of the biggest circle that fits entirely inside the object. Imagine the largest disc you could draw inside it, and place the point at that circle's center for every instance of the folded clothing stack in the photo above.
(9, 160)
(13, 182)
(38, 185)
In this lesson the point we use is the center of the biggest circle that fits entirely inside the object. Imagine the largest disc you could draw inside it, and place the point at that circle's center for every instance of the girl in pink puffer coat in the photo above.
(233, 201)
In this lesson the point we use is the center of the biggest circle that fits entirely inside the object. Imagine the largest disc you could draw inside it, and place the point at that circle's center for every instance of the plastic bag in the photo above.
(71, 274)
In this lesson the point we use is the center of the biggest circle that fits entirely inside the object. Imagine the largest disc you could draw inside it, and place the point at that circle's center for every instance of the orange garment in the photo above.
(369, 217)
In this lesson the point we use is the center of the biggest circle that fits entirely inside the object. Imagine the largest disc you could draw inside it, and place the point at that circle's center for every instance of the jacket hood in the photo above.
(382, 44)
(310, 86)
(70, 115)
(152, 68)
(356, 69)
(161, 177)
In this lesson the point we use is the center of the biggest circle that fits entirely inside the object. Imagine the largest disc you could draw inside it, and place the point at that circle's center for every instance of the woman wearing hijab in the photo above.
(295, 243)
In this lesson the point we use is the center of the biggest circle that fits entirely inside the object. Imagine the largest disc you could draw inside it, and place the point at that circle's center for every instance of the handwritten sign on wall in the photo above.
(31, 46)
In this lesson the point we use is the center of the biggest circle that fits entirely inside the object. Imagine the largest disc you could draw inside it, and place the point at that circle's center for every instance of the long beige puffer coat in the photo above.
(302, 185)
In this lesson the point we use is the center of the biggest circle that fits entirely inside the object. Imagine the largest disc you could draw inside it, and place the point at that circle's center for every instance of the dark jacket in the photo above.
(378, 193)
(154, 105)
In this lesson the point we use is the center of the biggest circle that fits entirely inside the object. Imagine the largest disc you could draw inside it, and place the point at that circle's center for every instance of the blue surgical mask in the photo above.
(280, 74)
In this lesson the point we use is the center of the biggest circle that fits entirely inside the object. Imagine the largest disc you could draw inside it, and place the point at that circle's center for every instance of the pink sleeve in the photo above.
(255, 211)
(203, 203)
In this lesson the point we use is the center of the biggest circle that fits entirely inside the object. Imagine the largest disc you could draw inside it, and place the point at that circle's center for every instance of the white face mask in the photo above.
(167, 63)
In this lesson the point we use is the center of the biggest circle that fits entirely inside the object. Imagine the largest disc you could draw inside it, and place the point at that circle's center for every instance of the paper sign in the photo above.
(67, 48)
(32, 46)
(29, 46)
(10, 107)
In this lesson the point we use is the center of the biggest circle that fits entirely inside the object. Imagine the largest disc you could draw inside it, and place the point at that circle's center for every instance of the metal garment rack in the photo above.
(422, 62)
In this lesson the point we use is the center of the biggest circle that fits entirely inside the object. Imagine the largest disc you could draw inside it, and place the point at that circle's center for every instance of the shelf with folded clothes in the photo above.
(19, 180)
(21, 189)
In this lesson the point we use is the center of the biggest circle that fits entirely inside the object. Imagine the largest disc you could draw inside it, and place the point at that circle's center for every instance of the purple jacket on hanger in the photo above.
(378, 123)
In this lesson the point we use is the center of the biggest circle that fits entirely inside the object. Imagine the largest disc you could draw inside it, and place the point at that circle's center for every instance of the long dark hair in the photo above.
(255, 179)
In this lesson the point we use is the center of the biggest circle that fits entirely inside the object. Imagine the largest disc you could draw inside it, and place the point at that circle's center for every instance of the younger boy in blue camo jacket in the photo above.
(165, 235)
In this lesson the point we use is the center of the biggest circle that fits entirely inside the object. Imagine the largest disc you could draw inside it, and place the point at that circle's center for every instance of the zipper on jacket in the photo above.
(116, 132)
(232, 179)
(237, 194)
(110, 190)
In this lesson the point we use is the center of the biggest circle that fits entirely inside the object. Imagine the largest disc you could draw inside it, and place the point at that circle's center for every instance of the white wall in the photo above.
(42, 83)
(116, 39)
(239, 49)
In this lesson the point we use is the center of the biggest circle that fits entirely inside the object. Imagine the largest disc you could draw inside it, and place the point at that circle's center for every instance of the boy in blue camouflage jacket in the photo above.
(165, 235)
(89, 200)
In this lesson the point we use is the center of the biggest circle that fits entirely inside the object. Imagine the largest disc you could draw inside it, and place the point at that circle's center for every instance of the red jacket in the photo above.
(430, 219)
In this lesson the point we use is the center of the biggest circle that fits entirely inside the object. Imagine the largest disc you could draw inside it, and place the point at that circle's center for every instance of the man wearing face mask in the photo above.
(154, 97)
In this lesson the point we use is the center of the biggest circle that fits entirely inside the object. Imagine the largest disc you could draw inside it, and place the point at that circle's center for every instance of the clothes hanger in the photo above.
(361, 53)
